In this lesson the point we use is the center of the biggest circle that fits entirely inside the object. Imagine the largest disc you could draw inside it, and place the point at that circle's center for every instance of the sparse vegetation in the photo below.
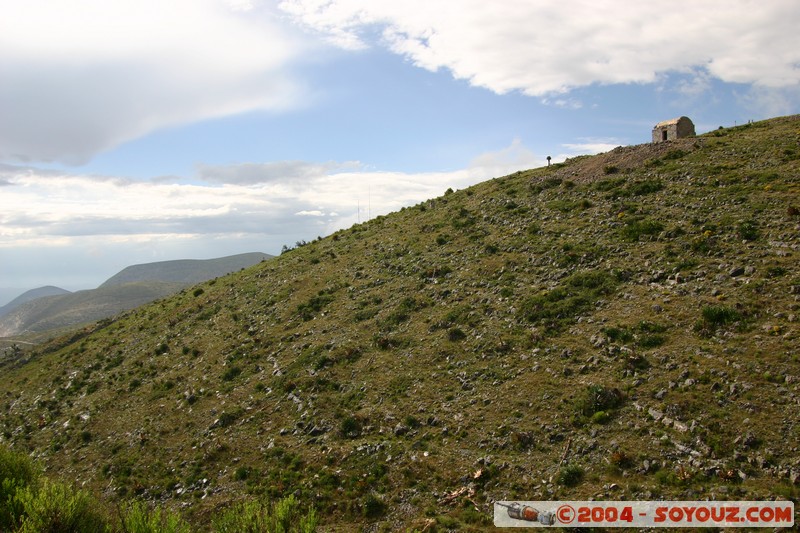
(597, 398)
(570, 475)
(716, 316)
(286, 516)
(564, 331)
(635, 229)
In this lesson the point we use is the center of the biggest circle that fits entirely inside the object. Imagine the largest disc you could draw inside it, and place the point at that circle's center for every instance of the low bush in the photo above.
(373, 506)
(138, 518)
(597, 398)
(17, 472)
(719, 315)
(563, 304)
(58, 507)
(350, 427)
(748, 231)
(634, 230)
(285, 516)
(314, 305)
(570, 475)
(30, 503)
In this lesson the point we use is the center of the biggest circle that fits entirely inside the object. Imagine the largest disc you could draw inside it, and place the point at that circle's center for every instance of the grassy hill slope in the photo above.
(620, 326)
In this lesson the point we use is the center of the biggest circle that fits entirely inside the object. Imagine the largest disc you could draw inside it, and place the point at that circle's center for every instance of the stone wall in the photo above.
(669, 130)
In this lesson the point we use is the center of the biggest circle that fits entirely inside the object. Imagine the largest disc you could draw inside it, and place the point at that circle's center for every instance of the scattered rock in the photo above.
(736, 271)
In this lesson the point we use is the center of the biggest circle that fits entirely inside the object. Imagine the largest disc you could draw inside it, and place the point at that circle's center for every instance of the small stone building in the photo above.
(669, 130)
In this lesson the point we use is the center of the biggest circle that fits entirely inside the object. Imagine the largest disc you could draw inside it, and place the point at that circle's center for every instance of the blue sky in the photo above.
(138, 131)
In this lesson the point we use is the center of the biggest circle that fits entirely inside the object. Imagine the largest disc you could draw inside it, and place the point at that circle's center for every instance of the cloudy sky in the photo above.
(145, 130)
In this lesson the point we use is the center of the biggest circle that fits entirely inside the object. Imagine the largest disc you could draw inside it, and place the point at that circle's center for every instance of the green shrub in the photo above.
(285, 516)
(618, 334)
(671, 478)
(597, 398)
(545, 184)
(634, 230)
(401, 313)
(748, 230)
(608, 184)
(719, 315)
(232, 372)
(640, 188)
(675, 154)
(775, 271)
(610, 169)
(17, 472)
(350, 427)
(56, 507)
(455, 334)
(651, 341)
(411, 421)
(241, 473)
(373, 506)
(314, 305)
(578, 294)
(229, 417)
(597, 281)
(570, 475)
(137, 518)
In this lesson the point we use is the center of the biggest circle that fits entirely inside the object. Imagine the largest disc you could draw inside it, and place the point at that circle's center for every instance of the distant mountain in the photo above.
(133, 286)
(32, 294)
(186, 271)
(72, 309)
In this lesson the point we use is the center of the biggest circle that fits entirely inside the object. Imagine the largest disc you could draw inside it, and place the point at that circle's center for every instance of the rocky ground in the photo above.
(622, 326)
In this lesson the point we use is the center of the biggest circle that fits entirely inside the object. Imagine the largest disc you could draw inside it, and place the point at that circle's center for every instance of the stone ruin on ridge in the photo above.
(669, 130)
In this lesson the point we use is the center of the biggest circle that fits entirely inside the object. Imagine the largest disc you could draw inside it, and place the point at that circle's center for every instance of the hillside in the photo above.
(32, 294)
(81, 307)
(622, 326)
(186, 271)
(131, 287)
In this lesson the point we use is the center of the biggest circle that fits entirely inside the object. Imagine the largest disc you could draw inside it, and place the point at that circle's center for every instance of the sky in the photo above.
(135, 131)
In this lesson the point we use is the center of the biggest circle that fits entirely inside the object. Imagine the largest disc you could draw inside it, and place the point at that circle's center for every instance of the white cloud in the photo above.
(278, 171)
(771, 102)
(510, 159)
(695, 85)
(541, 48)
(84, 76)
(79, 230)
(591, 146)
(41, 208)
